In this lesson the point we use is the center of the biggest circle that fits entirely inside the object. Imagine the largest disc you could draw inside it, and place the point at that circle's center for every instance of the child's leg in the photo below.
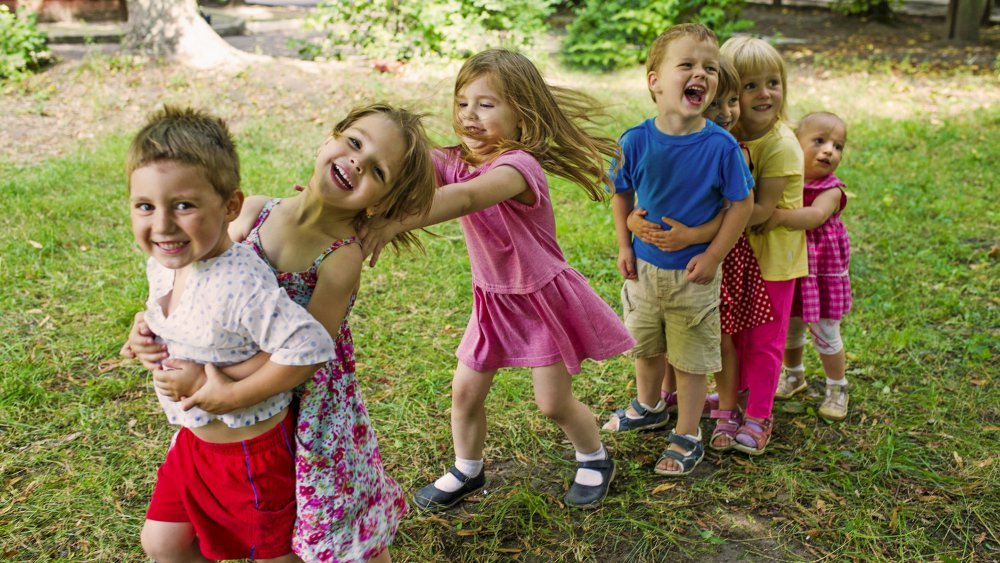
(595, 470)
(469, 389)
(826, 338)
(649, 374)
(726, 381)
(795, 373)
(761, 351)
(170, 541)
(669, 382)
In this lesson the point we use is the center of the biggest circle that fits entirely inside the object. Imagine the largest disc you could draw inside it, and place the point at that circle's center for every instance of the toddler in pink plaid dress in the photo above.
(824, 296)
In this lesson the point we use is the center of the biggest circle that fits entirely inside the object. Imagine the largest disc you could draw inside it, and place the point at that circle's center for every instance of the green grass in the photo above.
(911, 474)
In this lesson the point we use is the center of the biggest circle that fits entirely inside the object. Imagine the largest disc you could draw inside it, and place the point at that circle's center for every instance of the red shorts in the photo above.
(239, 497)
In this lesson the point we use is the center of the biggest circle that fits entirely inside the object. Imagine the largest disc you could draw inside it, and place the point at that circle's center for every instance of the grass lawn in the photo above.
(912, 473)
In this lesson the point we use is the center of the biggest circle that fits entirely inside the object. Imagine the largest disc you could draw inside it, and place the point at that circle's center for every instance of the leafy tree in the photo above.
(22, 44)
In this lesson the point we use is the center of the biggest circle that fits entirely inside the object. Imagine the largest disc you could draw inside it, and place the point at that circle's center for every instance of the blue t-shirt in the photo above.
(684, 177)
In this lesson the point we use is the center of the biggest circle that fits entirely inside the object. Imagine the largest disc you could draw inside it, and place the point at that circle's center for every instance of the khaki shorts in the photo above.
(667, 314)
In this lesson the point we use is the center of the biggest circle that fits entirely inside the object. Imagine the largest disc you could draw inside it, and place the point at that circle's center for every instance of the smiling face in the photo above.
(761, 101)
(356, 168)
(685, 82)
(486, 118)
(177, 216)
(724, 110)
(822, 139)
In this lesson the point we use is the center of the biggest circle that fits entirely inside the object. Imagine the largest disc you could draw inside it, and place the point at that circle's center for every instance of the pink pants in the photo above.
(760, 351)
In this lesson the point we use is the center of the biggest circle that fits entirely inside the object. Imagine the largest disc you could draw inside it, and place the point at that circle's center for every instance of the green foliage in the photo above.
(397, 30)
(881, 9)
(614, 34)
(22, 45)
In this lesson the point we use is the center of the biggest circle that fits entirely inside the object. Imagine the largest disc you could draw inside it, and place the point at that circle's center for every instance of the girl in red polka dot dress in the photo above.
(743, 299)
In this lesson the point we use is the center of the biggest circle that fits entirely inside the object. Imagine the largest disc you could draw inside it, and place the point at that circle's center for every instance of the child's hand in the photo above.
(178, 378)
(374, 235)
(142, 344)
(702, 269)
(773, 221)
(643, 230)
(215, 396)
(679, 237)
(626, 263)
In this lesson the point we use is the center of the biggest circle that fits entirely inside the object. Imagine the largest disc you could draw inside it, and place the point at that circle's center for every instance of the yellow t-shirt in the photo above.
(781, 252)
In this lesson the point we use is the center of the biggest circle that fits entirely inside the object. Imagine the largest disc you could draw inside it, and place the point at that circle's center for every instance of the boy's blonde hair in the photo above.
(658, 49)
(729, 79)
(412, 190)
(752, 56)
(188, 136)
(549, 117)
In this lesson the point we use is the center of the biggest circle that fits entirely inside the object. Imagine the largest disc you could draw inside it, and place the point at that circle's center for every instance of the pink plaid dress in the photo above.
(826, 292)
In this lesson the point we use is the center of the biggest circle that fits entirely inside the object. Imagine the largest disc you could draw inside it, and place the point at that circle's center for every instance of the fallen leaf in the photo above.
(664, 487)
(469, 532)
(35, 244)
(985, 462)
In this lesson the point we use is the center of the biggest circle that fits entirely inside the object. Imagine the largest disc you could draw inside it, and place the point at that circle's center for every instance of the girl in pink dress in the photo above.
(824, 296)
(530, 308)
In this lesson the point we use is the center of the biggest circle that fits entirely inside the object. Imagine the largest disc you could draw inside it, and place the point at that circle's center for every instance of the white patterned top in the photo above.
(232, 308)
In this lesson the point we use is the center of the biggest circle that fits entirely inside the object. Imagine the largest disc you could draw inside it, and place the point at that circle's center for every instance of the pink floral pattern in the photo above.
(349, 509)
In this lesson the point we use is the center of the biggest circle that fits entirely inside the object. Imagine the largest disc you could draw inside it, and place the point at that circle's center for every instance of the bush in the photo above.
(610, 34)
(400, 30)
(22, 45)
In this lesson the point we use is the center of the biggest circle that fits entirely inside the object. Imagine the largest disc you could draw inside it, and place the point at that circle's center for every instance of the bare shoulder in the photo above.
(240, 228)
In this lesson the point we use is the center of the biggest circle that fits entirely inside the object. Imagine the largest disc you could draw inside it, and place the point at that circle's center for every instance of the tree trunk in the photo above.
(964, 17)
(175, 29)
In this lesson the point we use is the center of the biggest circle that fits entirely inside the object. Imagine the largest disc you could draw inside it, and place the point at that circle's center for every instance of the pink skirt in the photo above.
(564, 321)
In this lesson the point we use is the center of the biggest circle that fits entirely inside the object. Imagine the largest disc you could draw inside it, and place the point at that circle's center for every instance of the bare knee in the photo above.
(467, 394)
(169, 541)
(555, 408)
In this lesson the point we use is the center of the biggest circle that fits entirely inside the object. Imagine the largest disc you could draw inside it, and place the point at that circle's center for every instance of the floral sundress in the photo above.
(348, 508)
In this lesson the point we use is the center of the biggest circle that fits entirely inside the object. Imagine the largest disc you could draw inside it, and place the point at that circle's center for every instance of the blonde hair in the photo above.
(191, 137)
(658, 50)
(729, 79)
(412, 190)
(816, 116)
(752, 56)
(550, 117)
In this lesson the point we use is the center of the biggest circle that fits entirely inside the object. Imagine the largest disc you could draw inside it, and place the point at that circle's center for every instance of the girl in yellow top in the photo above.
(777, 170)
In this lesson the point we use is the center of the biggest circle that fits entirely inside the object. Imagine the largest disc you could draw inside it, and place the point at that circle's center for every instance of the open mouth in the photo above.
(722, 122)
(171, 247)
(340, 178)
(762, 107)
(695, 95)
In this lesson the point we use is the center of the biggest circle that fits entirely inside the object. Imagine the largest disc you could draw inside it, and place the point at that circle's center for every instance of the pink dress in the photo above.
(826, 292)
(348, 508)
(530, 308)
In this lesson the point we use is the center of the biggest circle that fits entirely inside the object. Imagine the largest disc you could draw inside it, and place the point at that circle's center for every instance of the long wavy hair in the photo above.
(553, 120)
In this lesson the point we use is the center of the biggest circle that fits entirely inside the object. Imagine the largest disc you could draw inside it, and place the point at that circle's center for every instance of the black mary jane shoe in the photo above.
(433, 499)
(589, 496)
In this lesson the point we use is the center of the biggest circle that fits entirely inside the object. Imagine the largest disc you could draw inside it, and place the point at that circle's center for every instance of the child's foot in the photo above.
(727, 424)
(676, 463)
(835, 403)
(792, 382)
(670, 398)
(591, 483)
(638, 417)
(753, 435)
(433, 499)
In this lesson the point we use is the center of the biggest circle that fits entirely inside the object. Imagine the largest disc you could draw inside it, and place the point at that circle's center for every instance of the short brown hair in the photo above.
(191, 137)
(412, 190)
(729, 79)
(659, 47)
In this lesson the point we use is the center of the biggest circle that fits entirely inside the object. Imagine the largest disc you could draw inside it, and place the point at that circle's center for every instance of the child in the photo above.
(824, 296)
(530, 308)
(376, 162)
(211, 301)
(743, 297)
(781, 253)
(680, 165)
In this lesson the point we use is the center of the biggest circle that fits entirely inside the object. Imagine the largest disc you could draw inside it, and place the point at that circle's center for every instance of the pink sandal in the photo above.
(753, 435)
(727, 424)
(670, 398)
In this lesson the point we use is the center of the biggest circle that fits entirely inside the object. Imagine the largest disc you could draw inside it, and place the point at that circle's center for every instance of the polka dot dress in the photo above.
(744, 303)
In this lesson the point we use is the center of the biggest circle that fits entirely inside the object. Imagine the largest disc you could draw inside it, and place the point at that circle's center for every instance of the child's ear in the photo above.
(234, 204)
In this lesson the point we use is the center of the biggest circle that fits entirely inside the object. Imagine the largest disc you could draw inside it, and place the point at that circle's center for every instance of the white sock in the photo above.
(660, 405)
(590, 477)
(836, 381)
(799, 369)
(469, 467)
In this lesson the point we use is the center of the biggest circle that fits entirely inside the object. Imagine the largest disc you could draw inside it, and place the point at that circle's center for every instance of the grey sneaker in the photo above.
(834, 406)
(791, 382)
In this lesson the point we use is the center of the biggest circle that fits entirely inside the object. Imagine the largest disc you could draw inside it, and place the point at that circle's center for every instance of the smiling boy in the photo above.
(679, 165)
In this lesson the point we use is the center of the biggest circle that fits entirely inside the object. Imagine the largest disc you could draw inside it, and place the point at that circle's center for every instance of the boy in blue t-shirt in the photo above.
(682, 166)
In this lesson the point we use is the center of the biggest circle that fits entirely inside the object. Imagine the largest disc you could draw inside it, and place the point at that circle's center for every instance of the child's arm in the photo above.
(702, 268)
(453, 201)
(806, 218)
(178, 379)
(621, 207)
(678, 237)
(337, 281)
(768, 193)
(241, 227)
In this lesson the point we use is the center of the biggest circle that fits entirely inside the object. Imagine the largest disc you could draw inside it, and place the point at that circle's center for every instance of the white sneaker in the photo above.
(791, 382)
(834, 406)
